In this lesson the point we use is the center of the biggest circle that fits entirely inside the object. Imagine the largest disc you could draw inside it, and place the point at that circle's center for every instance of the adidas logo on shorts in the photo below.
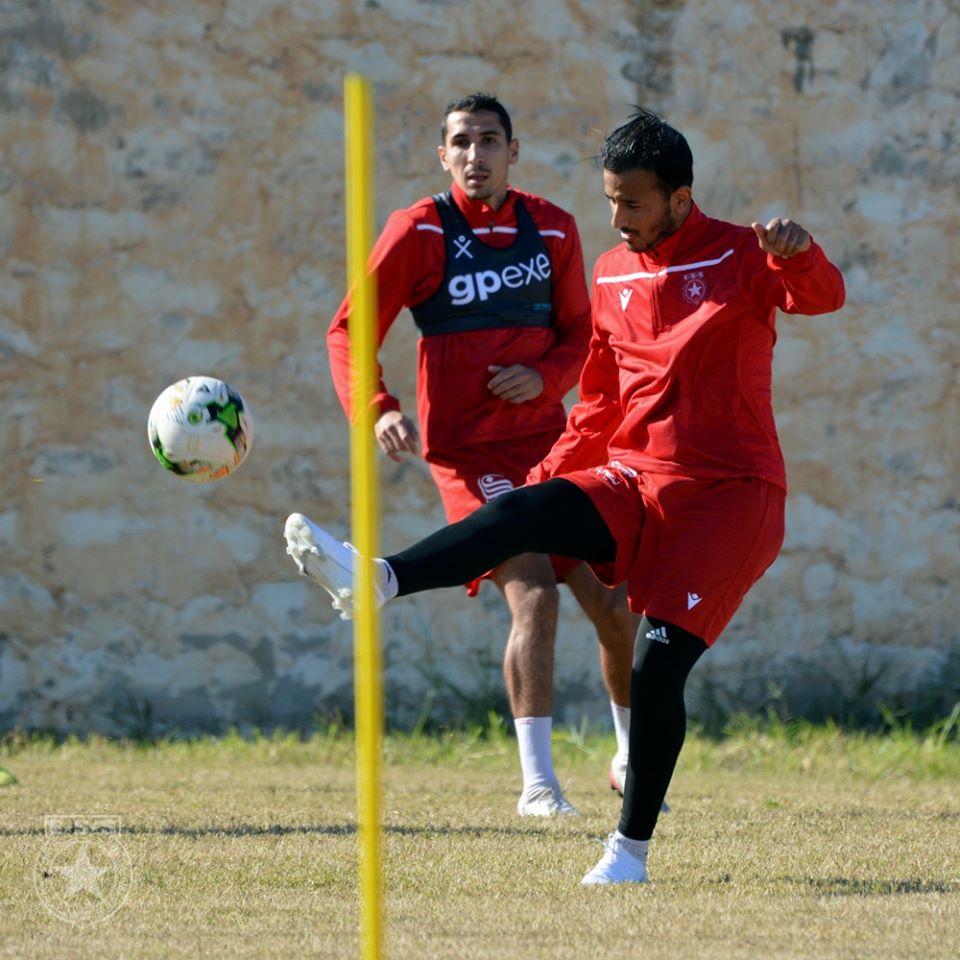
(659, 634)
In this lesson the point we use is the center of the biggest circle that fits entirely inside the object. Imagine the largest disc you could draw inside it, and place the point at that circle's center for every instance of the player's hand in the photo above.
(782, 238)
(516, 384)
(396, 435)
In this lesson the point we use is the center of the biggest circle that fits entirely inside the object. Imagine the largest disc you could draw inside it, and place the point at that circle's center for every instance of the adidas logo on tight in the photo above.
(659, 634)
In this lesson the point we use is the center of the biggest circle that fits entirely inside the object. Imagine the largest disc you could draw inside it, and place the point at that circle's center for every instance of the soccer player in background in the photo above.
(669, 475)
(494, 278)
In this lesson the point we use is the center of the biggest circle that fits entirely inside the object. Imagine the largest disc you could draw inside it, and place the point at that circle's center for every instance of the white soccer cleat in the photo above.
(545, 802)
(326, 560)
(618, 777)
(617, 865)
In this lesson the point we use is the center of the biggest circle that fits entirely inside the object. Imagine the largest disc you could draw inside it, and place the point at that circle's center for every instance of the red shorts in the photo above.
(469, 478)
(688, 549)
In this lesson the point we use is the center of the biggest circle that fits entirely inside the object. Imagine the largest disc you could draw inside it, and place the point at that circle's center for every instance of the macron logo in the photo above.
(659, 634)
(692, 600)
(625, 294)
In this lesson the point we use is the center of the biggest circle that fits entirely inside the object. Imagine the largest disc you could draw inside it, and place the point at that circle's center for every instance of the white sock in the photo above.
(621, 725)
(387, 579)
(636, 848)
(536, 754)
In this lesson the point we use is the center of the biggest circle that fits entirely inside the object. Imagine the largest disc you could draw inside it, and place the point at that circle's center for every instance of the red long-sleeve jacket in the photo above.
(454, 406)
(678, 378)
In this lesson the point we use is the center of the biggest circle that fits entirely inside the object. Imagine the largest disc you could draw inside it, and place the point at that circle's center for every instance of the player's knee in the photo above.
(618, 616)
(541, 596)
(505, 507)
(663, 653)
(610, 615)
(534, 605)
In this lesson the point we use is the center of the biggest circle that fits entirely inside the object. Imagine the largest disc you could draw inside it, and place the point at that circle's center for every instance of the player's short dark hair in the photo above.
(474, 103)
(647, 142)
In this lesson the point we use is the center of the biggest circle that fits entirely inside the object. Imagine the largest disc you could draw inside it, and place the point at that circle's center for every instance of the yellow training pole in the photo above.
(365, 513)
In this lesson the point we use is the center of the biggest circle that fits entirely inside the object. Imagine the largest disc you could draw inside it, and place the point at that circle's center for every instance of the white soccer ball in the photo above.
(200, 429)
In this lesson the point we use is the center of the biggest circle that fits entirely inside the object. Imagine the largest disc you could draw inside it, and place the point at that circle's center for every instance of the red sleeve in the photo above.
(594, 418)
(395, 264)
(561, 366)
(807, 283)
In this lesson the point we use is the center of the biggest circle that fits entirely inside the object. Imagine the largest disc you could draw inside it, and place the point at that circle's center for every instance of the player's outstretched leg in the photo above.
(552, 517)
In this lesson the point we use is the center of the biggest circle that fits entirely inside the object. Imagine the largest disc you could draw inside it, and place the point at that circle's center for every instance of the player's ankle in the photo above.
(386, 579)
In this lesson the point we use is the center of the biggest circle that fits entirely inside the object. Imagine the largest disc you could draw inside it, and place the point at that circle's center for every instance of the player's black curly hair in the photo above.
(647, 142)
(474, 103)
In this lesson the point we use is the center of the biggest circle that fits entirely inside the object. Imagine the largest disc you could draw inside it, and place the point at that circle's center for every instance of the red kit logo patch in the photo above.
(694, 287)
(493, 485)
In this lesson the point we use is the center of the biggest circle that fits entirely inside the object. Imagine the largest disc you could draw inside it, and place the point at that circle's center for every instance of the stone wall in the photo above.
(171, 203)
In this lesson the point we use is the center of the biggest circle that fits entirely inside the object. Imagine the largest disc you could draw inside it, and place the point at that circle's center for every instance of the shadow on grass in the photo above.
(862, 887)
(282, 830)
(844, 887)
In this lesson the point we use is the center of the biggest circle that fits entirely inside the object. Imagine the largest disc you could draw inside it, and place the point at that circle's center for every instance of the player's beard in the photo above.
(669, 224)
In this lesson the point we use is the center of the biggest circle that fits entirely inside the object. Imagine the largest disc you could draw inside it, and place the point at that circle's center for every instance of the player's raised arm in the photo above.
(799, 277)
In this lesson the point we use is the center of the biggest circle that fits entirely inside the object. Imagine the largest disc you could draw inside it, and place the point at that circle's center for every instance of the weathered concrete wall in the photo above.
(171, 203)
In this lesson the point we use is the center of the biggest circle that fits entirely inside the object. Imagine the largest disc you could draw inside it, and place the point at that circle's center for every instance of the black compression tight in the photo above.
(658, 720)
(553, 517)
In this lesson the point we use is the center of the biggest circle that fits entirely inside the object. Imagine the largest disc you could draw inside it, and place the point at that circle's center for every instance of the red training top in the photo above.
(454, 406)
(678, 379)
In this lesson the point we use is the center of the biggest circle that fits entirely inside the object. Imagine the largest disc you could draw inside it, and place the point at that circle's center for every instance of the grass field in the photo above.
(784, 841)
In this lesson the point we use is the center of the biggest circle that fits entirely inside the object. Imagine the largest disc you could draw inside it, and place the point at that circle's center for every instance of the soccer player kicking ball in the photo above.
(669, 475)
